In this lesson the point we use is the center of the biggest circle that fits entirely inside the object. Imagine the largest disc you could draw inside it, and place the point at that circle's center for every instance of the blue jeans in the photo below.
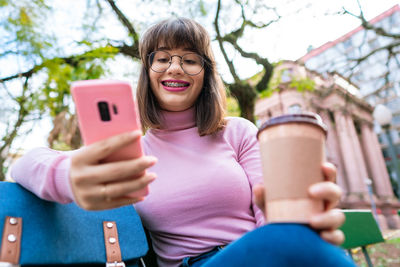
(277, 245)
(201, 259)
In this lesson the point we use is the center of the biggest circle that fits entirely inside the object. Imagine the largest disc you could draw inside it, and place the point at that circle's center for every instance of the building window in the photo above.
(286, 75)
(394, 105)
(347, 44)
(295, 108)
(331, 117)
(374, 43)
(397, 89)
(371, 100)
(396, 119)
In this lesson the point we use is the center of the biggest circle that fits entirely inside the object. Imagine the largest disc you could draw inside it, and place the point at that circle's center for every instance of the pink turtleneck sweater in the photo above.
(202, 196)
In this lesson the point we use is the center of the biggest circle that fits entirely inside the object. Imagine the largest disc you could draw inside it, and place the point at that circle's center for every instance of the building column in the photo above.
(387, 203)
(355, 174)
(390, 204)
(333, 149)
(376, 162)
(362, 166)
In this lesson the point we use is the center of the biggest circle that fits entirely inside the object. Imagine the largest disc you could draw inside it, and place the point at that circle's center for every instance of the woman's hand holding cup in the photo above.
(326, 222)
(331, 219)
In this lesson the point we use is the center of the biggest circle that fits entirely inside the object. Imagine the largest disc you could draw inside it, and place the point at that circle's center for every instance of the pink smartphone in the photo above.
(106, 108)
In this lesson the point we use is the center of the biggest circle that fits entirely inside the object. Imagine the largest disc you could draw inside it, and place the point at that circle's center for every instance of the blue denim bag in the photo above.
(56, 234)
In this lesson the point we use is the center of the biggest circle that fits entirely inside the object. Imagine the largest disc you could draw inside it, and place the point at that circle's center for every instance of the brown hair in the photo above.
(210, 104)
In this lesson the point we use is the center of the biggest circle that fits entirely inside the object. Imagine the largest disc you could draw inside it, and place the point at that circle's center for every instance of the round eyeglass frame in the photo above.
(180, 64)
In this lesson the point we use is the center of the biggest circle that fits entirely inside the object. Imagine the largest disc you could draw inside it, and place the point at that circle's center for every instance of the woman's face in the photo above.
(174, 89)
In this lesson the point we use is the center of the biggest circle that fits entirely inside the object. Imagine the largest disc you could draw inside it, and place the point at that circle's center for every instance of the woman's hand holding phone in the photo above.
(98, 185)
(111, 170)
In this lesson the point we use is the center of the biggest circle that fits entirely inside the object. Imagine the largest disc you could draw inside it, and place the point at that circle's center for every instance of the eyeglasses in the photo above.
(191, 63)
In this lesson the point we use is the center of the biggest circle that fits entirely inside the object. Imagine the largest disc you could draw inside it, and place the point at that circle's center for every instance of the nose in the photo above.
(175, 66)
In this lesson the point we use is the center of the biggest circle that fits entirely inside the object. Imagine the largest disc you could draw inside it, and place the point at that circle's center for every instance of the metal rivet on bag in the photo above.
(112, 240)
(110, 225)
(13, 221)
(12, 238)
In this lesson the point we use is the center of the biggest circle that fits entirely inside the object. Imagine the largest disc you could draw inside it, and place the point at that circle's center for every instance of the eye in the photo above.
(190, 62)
(163, 60)
(191, 59)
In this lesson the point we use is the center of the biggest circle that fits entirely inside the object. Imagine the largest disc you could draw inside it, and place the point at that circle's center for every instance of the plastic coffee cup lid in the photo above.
(306, 117)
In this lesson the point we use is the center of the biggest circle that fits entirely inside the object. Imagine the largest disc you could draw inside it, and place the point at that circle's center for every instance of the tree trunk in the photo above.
(2, 174)
(247, 111)
(65, 132)
(246, 97)
(10, 137)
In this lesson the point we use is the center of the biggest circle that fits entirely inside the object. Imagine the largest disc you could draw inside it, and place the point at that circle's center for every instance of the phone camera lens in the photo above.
(104, 111)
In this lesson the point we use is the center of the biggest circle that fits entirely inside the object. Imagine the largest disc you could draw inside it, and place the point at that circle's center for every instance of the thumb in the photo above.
(101, 149)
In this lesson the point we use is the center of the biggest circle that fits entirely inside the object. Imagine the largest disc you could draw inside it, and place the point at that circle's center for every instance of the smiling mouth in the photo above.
(175, 86)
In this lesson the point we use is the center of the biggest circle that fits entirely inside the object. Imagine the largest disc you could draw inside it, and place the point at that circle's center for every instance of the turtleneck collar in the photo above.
(179, 120)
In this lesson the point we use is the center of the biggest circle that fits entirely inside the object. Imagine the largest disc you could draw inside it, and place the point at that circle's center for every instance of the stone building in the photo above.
(352, 144)
(378, 77)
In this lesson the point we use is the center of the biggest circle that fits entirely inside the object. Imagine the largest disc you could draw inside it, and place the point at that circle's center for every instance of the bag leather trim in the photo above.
(113, 251)
(11, 240)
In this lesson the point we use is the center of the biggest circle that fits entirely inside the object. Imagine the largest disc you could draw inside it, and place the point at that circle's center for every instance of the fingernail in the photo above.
(151, 159)
(313, 190)
(152, 176)
(136, 133)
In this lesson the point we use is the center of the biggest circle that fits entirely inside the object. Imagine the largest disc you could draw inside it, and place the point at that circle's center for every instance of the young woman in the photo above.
(207, 167)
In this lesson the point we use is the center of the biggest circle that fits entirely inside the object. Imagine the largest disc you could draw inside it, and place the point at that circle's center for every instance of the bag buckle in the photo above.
(112, 264)
(7, 264)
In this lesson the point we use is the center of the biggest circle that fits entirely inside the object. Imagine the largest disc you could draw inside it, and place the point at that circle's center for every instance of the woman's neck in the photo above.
(178, 120)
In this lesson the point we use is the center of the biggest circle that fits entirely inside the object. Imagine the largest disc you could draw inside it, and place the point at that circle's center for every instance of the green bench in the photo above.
(360, 229)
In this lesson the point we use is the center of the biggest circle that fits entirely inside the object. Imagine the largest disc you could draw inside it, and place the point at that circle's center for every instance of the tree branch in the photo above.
(71, 60)
(368, 26)
(9, 53)
(221, 46)
(262, 84)
(386, 47)
(233, 37)
(124, 21)
(129, 50)
(26, 74)
(22, 112)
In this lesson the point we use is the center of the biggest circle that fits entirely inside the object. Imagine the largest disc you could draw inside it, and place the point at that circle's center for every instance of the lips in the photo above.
(175, 85)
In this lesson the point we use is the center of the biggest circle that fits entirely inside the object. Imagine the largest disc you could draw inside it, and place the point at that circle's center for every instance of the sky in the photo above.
(313, 27)
(288, 39)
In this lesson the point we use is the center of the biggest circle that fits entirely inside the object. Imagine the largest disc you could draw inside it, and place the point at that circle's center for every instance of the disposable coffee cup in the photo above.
(292, 151)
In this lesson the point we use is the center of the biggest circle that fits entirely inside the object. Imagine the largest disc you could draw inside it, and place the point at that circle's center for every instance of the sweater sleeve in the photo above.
(45, 172)
(244, 134)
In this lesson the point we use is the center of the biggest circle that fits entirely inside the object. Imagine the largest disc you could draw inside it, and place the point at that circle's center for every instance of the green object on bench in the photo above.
(360, 229)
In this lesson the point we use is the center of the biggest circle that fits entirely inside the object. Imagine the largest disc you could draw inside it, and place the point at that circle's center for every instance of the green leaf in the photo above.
(202, 8)
(3, 3)
(25, 20)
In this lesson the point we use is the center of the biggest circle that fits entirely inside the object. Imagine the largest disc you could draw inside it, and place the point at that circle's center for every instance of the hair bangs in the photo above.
(178, 33)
